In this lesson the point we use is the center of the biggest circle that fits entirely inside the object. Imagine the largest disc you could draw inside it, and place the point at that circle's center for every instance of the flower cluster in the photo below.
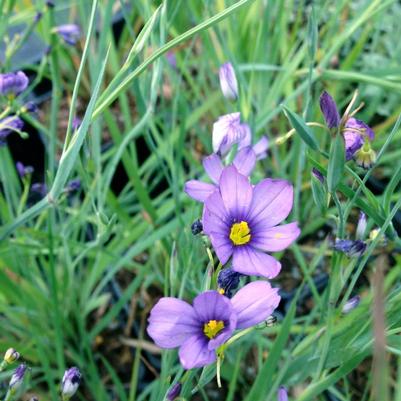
(242, 221)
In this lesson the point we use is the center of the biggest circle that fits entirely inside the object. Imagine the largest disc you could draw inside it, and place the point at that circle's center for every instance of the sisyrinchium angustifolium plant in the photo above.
(217, 178)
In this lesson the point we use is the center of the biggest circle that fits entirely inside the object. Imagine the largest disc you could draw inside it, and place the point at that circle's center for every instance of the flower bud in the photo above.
(350, 248)
(196, 227)
(317, 174)
(8, 125)
(282, 394)
(13, 83)
(23, 171)
(351, 304)
(11, 355)
(227, 281)
(70, 33)
(70, 383)
(228, 81)
(329, 110)
(17, 378)
(361, 227)
(174, 392)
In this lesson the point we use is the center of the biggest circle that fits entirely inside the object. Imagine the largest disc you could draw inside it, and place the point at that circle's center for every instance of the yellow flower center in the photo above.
(212, 328)
(240, 233)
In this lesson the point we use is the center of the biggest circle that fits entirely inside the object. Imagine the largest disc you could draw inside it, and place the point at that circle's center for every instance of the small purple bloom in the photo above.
(228, 281)
(13, 83)
(30, 107)
(8, 125)
(282, 394)
(350, 248)
(171, 59)
(361, 227)
(23, 171)
(351, 304)
(76, 122)
(244, 161)
(199, 329)
(174, 391)
(73, 185)
(40, 188)
(38, 16)
(260, 148)
(70, 33)
(228, 81)
(242, 222)
(355, 132)
(317, 174)
(329, 110)
(196, 227)
(227, 131)
(18, 377)
(70, 383)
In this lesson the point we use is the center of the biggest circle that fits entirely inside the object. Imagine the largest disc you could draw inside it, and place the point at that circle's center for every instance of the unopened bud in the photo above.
(11, 355)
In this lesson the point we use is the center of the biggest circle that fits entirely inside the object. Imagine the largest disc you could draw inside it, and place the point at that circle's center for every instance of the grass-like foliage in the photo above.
(112, 116)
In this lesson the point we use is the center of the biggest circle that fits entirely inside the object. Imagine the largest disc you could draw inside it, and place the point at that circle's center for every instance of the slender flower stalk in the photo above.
(201, 328)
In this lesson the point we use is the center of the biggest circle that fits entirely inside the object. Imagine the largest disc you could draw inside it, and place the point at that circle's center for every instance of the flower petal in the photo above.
(222, 246)
(329, 110)
(171, 322)
(228, 81)
(274, 239)
(271, 203)
(199, 190)
(215, 217)
(250, 261)
(236, 192)
(260, 148)
(210, 305)
(245, 161)
(213, 167)
(227, 130)
(194, 353)
(254, 303)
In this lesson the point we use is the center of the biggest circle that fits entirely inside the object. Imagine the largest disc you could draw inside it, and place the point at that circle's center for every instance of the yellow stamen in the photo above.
(240, 233)
(221, 291)
(212, 328)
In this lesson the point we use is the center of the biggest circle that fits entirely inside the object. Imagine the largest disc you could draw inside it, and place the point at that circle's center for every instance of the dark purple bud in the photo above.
(228, 281)
(73, 185)
(351, 304)
(282, 394)
(38, 16)
(70, 383)
(317, 174)
(174, 392)
(50, 3)
(70, 33)
(350, 248)
(23, 171)
(18, 377)
(8, 125)
(13, 83)
(30, 107)
(329, 110)
(196, 227)
(48, 50)
(40, 188)
(76, 122)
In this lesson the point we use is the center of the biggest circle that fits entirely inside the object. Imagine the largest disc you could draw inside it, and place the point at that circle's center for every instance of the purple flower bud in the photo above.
(361, 227)
(38, 16)
(228, 281)
(76, 122)
(8, 125)
(23, 170)
(30, 107)
(260, 148)
(18, 377)
(50, 3)
(196, 227)
(70, 383)
(40, 188)
(228, 81)
(317, 174)
(73, 185)
(329, 110)
(70, 33)
(227, 131)
(13, 83)
(282, 394)
(171, 59)
(174, 391)
(351, 304)
(350, 248)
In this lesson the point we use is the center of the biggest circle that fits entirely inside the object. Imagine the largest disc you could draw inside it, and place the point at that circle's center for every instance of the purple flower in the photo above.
(227, 281)
(70, 383)
(199, 329)
(73, 185)
(76, 122)
(18, 377)
(13, 83)
(242, 222)
(40, 188)
(30, 107)
(23, 171)
(350, 248)
(244, 161)
(174, 392)
(228, 81)
(361, 227)
(317, 174)
(70, 33)
(227, 131)
(282, 394)
(8, 125)
(260, 148)
(171, 59)
(329, 110)
(351, 304)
